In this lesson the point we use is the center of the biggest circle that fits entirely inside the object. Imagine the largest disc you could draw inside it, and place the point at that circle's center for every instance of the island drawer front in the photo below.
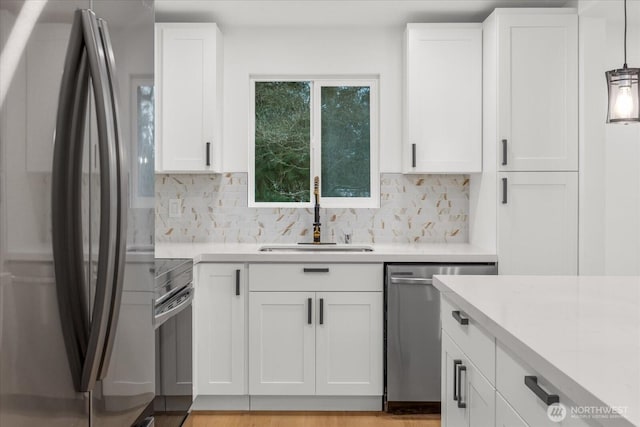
(316, 277)
(510, 383)
(477, 344)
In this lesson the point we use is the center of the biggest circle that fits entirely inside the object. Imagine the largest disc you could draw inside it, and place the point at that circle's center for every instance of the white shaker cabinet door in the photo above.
(188, 86)
(538, 223)
(468, 399)
(538, 92)
(220, 330)
(453, 415)
(479, 397)
(443, 128)
(506, 416)
(349, 343)
(282, 343)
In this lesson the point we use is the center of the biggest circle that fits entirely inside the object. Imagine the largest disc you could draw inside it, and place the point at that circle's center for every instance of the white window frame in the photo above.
(315, 139)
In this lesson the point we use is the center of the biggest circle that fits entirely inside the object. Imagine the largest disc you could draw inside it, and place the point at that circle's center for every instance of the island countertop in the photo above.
(581, 333)
(396, 252)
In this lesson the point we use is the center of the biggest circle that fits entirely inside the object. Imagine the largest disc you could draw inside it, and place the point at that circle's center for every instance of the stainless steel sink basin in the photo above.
(316, 248)
(140, 248)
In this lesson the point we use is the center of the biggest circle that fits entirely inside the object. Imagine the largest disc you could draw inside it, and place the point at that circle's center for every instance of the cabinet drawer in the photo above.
(510, 383)
(477, 344)
(316, 277)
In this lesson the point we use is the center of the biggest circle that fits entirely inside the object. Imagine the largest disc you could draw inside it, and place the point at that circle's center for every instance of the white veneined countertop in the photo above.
(244, 252)
(582, 333)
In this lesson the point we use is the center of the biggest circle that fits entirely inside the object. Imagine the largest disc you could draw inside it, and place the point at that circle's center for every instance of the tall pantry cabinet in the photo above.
(530, 142)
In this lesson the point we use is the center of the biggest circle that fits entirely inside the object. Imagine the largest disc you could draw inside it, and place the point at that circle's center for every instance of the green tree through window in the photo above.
(282, 141)
(315, 127)
(345, 141)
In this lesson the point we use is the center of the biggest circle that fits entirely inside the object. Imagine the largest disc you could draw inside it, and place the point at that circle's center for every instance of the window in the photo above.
(142, 146)
(304, 128)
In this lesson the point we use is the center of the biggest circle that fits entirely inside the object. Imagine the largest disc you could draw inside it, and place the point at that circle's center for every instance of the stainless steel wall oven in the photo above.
(173, 297)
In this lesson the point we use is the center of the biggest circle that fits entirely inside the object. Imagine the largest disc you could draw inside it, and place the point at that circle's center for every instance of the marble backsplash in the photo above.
(413, 209)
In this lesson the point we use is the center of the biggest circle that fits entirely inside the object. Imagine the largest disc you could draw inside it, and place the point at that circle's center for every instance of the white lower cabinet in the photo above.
(219, 311)
(468, 399)
(513, 395)
(349, 343)
(316, 331)
(479, 397)
(268, 334)
(452, 357)
(323, 344)
(281, 343)
(530, 394)
(506, 416)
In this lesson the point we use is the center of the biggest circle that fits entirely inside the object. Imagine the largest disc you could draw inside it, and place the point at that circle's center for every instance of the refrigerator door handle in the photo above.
(84, 338)
(66, 202)
(119, 234)
(107, 248)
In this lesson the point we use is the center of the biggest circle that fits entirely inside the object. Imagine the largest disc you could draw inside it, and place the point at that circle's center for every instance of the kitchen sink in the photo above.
(316, 248)
(139, 248)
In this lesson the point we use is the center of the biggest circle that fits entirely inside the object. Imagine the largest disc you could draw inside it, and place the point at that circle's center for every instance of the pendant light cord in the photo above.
(625, 34)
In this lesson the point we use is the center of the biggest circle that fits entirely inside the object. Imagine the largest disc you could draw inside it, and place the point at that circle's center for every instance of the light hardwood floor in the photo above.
(309, 419)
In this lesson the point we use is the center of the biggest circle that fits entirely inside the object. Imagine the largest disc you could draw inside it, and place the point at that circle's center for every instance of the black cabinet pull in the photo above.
(413, 155)
(462, 320)
(455, 378)
(309, 311)
(316, 270)
(504, 152)
(321, 311)
(237, 282)
(208, 154)
(461, 403)
(532, 384)
(504, 191)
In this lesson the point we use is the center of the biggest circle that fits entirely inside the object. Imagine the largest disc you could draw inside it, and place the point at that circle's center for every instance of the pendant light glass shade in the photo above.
(624, 92)
(624, 95)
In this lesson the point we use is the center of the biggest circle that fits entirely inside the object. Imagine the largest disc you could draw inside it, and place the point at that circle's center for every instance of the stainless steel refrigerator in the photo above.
(76, 212)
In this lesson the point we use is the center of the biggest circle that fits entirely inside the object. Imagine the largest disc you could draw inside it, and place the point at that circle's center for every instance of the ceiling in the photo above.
(304, 13)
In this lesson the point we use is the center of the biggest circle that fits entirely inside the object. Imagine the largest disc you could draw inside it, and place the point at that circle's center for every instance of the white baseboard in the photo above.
(221, 403)
(287, 403)
(316, 403)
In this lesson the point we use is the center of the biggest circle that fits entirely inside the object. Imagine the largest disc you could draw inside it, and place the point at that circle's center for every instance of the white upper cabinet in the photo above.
(443, 96)
(537, 86)
(188, 77)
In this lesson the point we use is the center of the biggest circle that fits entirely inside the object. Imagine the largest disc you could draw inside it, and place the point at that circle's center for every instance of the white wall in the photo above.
(609, 154)
(315, 51)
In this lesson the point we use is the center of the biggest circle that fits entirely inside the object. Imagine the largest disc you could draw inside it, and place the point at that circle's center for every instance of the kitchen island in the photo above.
(578, 336)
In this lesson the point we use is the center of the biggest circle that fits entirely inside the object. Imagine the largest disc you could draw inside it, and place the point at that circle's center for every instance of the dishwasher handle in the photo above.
(411, 281)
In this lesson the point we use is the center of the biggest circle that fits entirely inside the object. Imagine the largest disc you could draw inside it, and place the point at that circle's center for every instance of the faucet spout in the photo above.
(316, 210)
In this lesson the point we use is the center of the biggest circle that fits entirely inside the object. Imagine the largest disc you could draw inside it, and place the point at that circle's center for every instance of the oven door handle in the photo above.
(187, 299)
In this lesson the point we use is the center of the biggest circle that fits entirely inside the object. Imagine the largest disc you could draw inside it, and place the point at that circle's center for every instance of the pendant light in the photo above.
(624, 92)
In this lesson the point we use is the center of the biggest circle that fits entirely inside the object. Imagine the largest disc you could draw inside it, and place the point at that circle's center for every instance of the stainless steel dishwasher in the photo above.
(412, 333)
